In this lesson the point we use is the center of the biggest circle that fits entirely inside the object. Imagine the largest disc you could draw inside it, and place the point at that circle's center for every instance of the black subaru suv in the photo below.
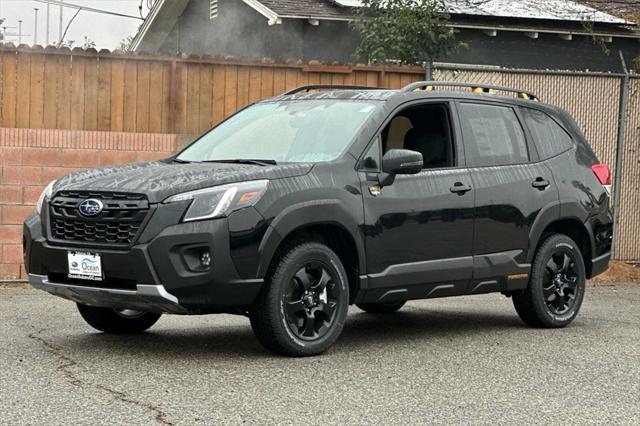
(298, 206)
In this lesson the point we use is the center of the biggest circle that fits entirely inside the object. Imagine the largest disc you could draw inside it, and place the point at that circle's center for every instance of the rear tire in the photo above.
(381, 308)
(303, 306)
(556, 286)
(122, 321)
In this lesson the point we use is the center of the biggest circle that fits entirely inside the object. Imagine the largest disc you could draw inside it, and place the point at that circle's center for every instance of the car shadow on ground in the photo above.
(362, 331)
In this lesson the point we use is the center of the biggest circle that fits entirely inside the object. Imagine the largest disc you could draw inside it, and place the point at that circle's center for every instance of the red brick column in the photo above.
(30, 159)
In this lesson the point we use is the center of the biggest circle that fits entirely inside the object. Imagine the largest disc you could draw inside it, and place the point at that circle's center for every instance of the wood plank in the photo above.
(266, 86)
(9, 85)
(181, 99)
(167, 105)
(372, 79)
(104, 94)
(394, 80)
(278, 81)
(243, 87)
(130, 96)
(156, 96)
(90, 93)
(337, 79)
(255, 84)
(360, 78)
(117, 95)
(51, 81)
(77, 93)
(291, 79)
(36, 109)
(206, 97)
(325, 78)
(314, 78)
(23, 90)
(217, 113)
(193, 99)
(230, 90)
(143, 97)
(63, 104)
(303, 78)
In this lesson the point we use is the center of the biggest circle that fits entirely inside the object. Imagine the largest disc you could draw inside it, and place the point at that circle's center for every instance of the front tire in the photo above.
(117, 321)
(556, 287)
(303, 306)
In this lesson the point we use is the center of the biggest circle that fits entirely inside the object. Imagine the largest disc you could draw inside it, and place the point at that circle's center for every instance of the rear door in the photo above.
(511, 189)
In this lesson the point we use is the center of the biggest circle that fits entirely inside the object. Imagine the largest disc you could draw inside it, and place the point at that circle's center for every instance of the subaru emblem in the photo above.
(90, 207)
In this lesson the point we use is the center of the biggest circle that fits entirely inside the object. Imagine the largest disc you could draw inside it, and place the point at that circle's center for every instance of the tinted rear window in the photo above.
(493, 135)
(550, 138)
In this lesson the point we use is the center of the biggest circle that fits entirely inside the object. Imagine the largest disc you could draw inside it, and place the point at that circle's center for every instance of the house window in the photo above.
(213, 9)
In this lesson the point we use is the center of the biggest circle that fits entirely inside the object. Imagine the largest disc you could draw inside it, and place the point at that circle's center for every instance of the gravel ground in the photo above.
(460, 360)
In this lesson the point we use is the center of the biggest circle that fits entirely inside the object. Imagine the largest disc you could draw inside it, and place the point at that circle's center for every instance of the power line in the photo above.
(88, 9)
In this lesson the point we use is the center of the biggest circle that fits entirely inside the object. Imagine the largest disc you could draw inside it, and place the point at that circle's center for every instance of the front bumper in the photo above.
(157, 274)
(149, 298)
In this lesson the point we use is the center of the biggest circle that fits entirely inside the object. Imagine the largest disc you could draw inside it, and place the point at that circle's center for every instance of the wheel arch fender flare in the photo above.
(307, 214)
(554, 212)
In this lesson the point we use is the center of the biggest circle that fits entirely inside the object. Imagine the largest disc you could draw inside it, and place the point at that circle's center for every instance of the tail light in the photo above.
(603, 174)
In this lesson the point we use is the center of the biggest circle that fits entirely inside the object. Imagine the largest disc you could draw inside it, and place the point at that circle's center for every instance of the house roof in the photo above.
(308, 8)
(522, 9)
(492, 15)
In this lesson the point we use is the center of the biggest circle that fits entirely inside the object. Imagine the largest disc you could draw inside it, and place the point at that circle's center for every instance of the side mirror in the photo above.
(402, 162)
(399, 162)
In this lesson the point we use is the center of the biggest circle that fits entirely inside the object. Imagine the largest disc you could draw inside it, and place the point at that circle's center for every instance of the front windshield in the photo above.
(285, 131)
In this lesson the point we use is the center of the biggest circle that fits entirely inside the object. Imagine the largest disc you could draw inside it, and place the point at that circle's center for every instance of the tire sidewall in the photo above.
(553, 245)
(301, 255)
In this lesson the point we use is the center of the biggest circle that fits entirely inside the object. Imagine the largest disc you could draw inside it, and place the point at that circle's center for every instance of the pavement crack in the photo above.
(64, 362)
(65, 365)
(161, 416)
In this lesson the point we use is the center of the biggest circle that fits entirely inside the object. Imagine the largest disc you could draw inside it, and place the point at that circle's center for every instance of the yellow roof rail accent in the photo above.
(482, 90)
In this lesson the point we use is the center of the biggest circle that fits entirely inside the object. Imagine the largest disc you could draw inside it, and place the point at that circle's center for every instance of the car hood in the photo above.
(162, 179)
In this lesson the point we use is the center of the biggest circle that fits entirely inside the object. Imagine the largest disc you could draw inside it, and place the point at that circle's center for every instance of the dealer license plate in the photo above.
(84, 266)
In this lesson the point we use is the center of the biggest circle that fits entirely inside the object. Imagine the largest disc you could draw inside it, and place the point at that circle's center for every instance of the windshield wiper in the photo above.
(244, 161)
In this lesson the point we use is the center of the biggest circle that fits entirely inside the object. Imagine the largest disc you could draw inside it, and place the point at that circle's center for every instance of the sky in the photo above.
(106, 31)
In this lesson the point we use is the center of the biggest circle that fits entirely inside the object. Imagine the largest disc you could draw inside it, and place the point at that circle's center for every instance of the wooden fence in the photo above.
(88, 90)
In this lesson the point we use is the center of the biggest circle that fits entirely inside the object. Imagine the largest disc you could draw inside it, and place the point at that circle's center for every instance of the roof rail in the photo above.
(331, 86)
(475, 88)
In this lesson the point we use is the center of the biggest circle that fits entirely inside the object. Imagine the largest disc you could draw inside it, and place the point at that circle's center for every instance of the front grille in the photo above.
(119, 223)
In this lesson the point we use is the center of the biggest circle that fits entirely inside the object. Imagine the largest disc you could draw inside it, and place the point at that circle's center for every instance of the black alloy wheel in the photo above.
(557, 284)
(560, 282)
(310, 302)
(303, 305)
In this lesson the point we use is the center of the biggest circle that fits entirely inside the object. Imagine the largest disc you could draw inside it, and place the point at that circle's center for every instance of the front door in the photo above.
(419, 230)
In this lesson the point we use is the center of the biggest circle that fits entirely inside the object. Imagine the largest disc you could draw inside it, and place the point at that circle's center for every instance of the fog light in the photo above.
(205, 259)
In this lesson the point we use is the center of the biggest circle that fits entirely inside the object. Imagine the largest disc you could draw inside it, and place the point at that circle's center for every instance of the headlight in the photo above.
(46, 195)
(218, 201)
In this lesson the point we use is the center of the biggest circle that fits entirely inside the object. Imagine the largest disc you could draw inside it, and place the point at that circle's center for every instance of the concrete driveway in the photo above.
(461, 360)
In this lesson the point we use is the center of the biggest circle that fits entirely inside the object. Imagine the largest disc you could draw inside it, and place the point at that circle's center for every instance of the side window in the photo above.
(493, 135)
(425, 129)
(550, 138)
(371, 161)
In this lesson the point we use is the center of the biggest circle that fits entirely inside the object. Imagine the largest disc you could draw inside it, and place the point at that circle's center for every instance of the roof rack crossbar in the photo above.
(331, 86)
(484, 87)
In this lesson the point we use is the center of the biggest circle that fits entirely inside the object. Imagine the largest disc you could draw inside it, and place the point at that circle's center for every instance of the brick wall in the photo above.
(30, 159)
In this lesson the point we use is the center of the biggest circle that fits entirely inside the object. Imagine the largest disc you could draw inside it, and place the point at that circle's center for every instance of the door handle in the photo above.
(460, 188)
(540, 183)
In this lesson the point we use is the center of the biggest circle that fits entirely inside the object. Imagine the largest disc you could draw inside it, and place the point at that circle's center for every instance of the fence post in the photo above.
(622, 118)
